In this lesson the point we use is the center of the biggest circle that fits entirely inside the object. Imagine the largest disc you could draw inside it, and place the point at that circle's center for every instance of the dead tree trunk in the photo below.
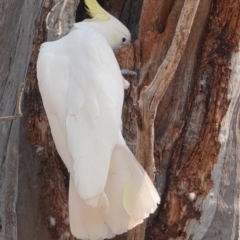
(190, 136)
(32, 186)
(193, 137)
(17, 23)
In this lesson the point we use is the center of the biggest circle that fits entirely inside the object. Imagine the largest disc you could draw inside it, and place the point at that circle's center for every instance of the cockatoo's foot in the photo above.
(128, 72)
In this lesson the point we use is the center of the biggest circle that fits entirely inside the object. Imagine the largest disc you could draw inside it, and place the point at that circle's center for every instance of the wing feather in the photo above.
(82, 90)
(92, 124)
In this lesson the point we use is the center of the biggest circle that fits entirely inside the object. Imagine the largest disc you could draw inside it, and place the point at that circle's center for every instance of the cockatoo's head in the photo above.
(111, 28)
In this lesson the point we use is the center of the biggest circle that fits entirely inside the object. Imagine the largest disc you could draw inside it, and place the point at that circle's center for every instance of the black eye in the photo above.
(124, 40)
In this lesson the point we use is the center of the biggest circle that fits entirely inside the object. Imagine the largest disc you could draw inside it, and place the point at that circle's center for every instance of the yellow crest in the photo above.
(95, 10)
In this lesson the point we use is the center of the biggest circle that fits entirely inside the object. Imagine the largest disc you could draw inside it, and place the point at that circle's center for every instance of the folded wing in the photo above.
(93, 105)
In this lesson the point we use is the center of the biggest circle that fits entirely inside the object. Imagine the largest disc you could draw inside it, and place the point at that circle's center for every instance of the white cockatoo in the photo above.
(82, 89)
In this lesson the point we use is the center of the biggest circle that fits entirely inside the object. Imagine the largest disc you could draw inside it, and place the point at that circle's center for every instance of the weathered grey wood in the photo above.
(17, 24)
(68, 19)
(9, 186)
(223, 199)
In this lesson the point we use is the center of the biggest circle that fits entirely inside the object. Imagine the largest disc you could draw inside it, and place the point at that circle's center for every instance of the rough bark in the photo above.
(17, 21)
(189, 124)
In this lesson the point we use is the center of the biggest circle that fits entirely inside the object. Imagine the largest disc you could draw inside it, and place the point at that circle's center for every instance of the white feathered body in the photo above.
(82, 90)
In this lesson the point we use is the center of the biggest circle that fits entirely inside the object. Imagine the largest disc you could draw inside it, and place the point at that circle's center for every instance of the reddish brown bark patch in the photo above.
(197, 151)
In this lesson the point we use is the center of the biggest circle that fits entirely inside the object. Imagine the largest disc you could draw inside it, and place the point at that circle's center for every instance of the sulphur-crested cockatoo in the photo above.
(82, 90)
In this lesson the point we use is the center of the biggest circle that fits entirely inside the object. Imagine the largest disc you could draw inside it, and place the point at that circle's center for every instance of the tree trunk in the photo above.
(194, 151)
(18, 197)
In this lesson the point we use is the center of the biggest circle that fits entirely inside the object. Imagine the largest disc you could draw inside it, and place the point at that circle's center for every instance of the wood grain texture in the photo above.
(16, 41)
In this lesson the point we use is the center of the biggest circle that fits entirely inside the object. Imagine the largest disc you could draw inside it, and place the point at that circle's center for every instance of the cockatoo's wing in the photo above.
(92, 101)
(93, 104)
(53, 80)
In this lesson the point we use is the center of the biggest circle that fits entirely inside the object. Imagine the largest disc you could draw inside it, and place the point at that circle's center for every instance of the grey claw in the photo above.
(128, 72)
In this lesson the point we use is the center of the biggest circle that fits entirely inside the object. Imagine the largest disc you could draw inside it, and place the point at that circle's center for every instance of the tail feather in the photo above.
(131, 197)
(86, 222)
(140, 197)
(117, 218)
